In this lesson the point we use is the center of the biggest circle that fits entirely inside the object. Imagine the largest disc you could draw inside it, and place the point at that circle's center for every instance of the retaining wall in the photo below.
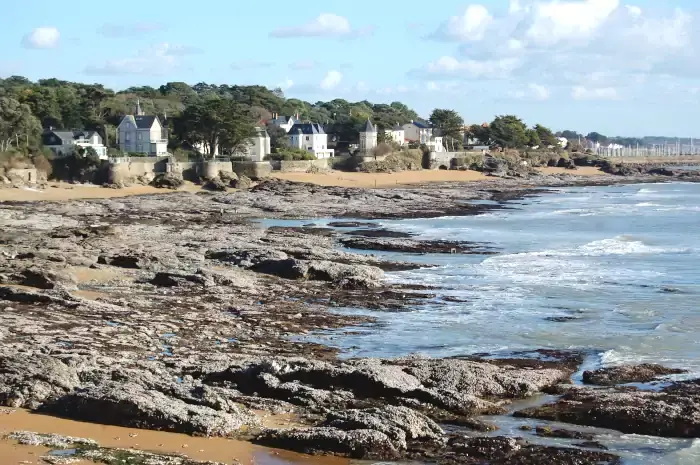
(301, 166)
(252, 169)
(444, 159)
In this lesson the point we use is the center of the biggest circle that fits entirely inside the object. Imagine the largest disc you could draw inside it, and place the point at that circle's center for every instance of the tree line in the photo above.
(206, 115)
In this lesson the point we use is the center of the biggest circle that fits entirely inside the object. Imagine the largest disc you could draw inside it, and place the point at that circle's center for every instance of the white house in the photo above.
(310, 137)
(258, 146)
(368, 138)
(284, 122)
(62, 142)
(563, 142)
(397, 134)
(141, 133)
(418, 131)
(435, 144)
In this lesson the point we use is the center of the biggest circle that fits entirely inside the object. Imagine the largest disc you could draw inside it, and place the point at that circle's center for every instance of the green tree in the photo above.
(533, 139)
(596, 138)
(279, 140)
(482, 133)
(450, 124)
(18, 125)
(509, 131)
(216, 122)
(546, 136)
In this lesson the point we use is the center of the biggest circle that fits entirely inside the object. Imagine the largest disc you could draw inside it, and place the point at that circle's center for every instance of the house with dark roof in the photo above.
(139, 133)
(284, 122)
(63, 141)
(310, 137)
(418, 131)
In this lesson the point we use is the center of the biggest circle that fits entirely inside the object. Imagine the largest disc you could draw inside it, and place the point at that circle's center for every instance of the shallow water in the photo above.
(620, 262)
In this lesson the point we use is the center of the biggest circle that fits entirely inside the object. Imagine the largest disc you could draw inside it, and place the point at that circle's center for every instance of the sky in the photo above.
(627, 69)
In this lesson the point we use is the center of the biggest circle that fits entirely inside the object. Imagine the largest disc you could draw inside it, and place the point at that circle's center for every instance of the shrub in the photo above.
(289, 154)
(42, 163)
(382, 150)
(81, 166)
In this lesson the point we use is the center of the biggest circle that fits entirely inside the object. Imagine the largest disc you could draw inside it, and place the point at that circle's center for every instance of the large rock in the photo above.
(400, 424)
(673, 412)
(643, 373)
(45, 279)
(358, 444)
(345, 276)
(29, 381)
(483, 379)
(243, 182)
(168, 181)
(133, 405)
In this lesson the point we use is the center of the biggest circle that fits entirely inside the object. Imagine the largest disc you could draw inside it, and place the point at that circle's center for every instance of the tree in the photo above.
(533, 139)
(279, 140)
(216, 122)
(17, 124)
(596, 137)
(509, 131)
(450, 125)
(481, 132)
(547, 138)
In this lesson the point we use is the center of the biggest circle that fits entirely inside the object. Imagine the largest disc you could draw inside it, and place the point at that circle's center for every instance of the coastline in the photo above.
(221, 297)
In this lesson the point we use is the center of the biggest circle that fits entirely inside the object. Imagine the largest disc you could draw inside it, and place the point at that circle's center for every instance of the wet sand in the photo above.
(64, 191)
(197, 448)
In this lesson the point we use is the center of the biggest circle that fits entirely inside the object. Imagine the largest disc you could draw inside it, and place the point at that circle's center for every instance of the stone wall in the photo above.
(443, 160)
(252, 169)
(211, 169)
(123, 170)
(299, 166)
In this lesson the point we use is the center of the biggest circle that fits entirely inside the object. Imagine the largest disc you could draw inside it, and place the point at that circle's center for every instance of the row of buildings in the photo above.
(148, 134)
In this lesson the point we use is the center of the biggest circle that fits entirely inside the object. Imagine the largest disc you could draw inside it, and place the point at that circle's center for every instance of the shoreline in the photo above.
(209, 301)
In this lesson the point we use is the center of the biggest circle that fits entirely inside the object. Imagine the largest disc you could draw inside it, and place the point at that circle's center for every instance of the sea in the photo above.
(610, 270)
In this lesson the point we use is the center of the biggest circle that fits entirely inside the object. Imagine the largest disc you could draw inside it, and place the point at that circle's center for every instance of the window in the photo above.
(307, 137)
(139, 136)
(127, 136)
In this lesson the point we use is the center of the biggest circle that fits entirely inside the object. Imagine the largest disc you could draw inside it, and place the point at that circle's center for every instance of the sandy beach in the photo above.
(58, 191)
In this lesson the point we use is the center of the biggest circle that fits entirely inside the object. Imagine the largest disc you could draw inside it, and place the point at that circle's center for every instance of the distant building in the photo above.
(418, 131)
(435, 144)
(62, 141)
(397, 134)
(284, 122)
(368, 138)
(141, 133)
(258, 146)
(310, 137)
(563, 142)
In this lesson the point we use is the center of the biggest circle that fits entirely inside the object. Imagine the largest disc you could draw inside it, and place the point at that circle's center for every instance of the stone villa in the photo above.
(312, 138)
(139, 133)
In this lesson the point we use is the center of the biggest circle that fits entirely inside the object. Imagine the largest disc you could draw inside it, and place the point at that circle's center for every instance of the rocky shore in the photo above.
(180, 312)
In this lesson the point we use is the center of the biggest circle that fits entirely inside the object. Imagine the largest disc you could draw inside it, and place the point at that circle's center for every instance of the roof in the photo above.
(261, 132)
(145, 121)
(421, 124)
(282, 120)
(398, 127)
(66, 135)
(307, 128)
(369, 127)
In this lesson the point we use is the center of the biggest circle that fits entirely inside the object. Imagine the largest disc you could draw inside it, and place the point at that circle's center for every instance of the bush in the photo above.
(382, 150)
(407, 160)
(81, 166)
(42, 163)
(289, 154)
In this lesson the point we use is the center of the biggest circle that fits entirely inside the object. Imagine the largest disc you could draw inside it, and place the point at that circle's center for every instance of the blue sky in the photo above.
(589, 65)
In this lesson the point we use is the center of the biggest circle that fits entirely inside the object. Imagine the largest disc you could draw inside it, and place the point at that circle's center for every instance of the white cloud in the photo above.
(42, 37)
(287, 84)
(325, 25)
(157, 60)
(597, 93)
(332, 80)
(591, 44)
(470, 25)
(532, 91)
(119, 31)
(451, 67)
